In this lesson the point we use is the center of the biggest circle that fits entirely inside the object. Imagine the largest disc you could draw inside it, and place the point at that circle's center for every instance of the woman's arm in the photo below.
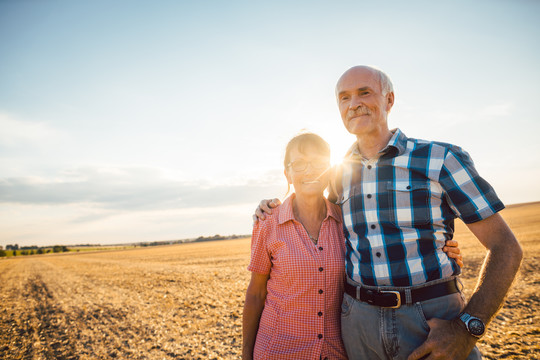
(253, 307)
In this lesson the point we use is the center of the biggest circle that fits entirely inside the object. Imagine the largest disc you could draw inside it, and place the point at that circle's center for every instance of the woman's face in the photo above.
(308, 171)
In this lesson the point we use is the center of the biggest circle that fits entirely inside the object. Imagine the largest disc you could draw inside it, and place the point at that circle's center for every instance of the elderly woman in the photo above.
(292, 308)
(293, 301)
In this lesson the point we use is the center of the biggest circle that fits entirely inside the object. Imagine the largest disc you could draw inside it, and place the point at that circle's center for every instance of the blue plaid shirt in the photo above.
(399, 210)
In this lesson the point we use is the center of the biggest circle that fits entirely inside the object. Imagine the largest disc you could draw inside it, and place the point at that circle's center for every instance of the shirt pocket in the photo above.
(408, 203)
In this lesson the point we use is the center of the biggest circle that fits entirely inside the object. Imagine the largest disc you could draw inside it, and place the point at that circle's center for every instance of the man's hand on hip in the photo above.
(451, 248)
(446, 340)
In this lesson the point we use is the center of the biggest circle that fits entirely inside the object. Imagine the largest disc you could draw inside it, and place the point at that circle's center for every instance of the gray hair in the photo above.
(384, 81)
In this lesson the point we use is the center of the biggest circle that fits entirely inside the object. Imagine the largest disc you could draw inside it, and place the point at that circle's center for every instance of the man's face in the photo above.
(362, 105)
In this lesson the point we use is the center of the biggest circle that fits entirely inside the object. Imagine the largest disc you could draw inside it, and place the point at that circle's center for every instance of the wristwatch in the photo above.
(474, 325)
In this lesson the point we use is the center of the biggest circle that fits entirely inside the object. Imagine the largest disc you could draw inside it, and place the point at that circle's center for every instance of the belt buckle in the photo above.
(398, 297)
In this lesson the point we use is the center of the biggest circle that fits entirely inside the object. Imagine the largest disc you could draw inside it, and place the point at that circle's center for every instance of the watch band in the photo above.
(464, 317)
(474, 325)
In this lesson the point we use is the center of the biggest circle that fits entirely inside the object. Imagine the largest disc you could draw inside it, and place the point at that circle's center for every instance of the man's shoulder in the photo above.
(422, 144)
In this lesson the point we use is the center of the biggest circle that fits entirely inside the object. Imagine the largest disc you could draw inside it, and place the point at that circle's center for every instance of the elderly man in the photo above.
(399, 198)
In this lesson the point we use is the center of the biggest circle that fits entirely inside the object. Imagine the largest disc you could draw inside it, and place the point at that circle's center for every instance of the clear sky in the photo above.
(127, 121)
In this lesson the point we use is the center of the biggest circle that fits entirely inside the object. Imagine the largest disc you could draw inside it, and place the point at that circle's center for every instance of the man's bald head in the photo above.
(384, 80)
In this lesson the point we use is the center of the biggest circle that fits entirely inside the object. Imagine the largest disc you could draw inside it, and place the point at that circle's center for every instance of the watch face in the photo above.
(476, 327)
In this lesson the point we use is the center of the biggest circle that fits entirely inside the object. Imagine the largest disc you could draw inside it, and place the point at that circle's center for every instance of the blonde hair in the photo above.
(301, 142)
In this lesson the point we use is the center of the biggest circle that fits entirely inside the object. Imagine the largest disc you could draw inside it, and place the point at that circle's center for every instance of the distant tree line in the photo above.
(200, 238)
(216, 237)
(31, 250)
(34, 249)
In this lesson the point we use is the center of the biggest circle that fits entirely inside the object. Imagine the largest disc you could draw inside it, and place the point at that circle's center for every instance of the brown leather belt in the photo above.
(393, 298)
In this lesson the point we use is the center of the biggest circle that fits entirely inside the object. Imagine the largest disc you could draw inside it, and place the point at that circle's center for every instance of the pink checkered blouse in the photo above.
(301, 316)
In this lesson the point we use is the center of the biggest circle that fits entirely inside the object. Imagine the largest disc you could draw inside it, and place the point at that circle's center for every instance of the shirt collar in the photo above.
(286, 211)
(398, 141)
(396, 144)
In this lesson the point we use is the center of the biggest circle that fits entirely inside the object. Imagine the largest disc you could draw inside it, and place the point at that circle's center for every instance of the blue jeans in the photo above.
(372, 332)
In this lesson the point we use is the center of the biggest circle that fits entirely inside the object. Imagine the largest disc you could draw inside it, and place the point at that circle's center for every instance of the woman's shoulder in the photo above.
(277, 214)
(333, 208)
(270, 220)
(280, 214)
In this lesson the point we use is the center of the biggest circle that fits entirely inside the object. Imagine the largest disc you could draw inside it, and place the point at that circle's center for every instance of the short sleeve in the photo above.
(260, 257)
(470, 196)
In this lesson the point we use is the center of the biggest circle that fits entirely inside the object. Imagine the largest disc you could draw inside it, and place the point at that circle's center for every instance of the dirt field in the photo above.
(185, 301)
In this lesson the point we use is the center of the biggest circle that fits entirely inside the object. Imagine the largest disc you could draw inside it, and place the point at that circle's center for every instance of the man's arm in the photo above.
(449, 339)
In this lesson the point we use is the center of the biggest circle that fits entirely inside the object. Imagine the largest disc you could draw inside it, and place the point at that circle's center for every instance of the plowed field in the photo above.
(185, 301)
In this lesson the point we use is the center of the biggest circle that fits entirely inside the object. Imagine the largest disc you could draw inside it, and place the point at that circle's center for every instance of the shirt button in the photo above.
(369, 196)
(319, 313)
(373, 226)
(378, 254)
(369, 167)
(320, 291)
(320, 248)
(321, 269)
(320, 336)
(408, 187)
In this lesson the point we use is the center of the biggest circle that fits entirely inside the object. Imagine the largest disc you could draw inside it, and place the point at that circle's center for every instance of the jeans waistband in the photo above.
(403, 288)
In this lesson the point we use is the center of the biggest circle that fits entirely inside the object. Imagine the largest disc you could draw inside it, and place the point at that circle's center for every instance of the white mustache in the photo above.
(362, 110)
